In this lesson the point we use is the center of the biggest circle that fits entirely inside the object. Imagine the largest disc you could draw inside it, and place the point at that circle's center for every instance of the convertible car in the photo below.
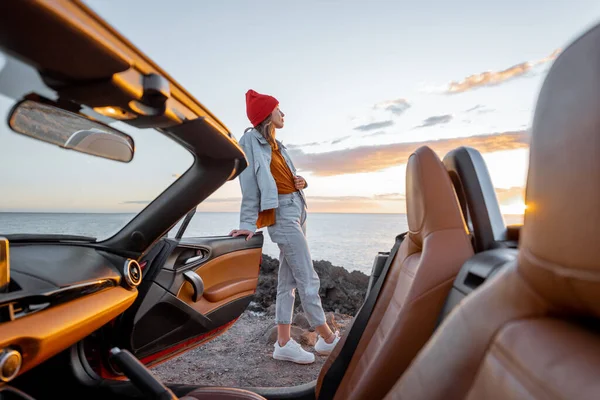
(462, 307)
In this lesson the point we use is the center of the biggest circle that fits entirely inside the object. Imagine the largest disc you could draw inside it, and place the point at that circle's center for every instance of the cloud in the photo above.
(390, 196)
(322, 203)
(313, 144)
(223, 200)
(357, 204)
(493, 78)
(143, 202)
(475, 108)
(374, 126)
(340, 140)
(339, 198)
(297, 146)
(378, 133)
(436, 120)
(396, 107)
(480, 109)
(376, 158)
(386, 196)
(509, 200)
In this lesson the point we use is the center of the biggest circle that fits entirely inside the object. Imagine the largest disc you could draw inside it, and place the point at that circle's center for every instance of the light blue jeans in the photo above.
(296, 270)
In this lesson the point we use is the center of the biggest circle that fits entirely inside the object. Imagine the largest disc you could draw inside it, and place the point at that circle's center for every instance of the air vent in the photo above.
(132, 273)
(10, 364)
(20, 310)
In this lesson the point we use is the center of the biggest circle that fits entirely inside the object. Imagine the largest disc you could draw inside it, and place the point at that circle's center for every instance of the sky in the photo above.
(362, 84)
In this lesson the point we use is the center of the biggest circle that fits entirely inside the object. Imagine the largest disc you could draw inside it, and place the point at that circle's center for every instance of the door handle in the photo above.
(201, 254)
(197, 284)
(193, 259)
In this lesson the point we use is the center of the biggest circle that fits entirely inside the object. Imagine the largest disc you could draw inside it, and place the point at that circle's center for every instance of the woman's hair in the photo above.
(267, 130)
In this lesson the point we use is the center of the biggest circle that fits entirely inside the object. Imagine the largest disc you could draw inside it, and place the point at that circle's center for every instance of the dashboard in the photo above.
(55, 295)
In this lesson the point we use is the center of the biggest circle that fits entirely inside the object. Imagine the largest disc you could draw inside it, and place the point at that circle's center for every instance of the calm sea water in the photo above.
(348, 240)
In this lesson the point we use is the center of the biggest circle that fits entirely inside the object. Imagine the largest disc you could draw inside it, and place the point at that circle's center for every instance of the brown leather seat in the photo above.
(532, 332)
(417, 284)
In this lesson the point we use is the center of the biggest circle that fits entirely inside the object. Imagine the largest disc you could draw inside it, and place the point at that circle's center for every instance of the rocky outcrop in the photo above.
(341, 291)
(301, 331)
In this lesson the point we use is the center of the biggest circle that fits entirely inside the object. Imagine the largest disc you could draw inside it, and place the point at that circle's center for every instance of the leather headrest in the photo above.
(431, 202)
(560, 252)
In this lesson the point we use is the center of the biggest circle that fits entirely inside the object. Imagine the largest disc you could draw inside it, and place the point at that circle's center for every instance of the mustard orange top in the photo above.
(284, 179)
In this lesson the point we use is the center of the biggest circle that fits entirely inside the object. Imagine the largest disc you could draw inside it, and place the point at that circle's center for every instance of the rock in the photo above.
(297, 333)
(267, 283)
(253, 306)
(271, 309)
(342, 321)
(270, 335)
(308, 338)
(341, 291)
(330, 318)
(301, 321)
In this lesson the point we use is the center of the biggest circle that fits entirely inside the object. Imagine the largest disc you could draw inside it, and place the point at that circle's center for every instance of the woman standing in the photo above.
(272, 197)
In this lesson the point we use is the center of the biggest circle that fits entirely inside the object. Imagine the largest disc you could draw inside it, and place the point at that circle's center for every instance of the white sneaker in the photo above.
(292, 351)
(324, 348)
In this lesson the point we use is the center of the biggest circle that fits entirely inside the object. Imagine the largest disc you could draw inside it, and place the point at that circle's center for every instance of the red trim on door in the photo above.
(97, 364)
(173, 351)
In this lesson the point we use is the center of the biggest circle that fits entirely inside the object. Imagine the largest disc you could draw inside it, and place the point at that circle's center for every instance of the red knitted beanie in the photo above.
(259, 106)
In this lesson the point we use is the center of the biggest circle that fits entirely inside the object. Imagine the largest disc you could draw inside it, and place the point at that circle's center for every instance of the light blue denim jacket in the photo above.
(259, 190)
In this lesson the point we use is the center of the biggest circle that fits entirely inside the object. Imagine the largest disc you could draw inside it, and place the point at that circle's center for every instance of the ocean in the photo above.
(347, 240)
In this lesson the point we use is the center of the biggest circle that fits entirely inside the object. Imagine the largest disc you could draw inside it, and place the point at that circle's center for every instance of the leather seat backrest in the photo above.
(417, 284)
(532, 333)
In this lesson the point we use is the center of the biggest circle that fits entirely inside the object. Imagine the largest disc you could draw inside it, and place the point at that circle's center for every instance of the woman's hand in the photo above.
(299, 182)
(242, 232)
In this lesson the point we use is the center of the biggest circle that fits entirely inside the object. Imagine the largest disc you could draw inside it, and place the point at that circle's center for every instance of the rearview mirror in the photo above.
(70, 131)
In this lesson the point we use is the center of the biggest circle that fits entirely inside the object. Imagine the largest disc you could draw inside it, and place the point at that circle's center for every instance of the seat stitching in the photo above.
(543, 302)
(429, 291)
(407, 271)
(454, 228)
(557, 269)
(508, 361)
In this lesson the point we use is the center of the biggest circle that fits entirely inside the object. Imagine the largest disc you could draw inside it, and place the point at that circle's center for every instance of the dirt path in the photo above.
(241, 358)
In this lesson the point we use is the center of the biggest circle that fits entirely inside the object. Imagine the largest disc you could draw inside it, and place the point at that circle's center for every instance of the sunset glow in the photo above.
(513, 209)
(362, 85)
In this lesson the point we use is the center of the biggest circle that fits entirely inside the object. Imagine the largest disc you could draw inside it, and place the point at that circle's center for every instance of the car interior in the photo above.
(532, 331)
(470, 308)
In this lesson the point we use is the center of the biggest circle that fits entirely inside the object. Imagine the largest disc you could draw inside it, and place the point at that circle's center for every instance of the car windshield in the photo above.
(47, 189)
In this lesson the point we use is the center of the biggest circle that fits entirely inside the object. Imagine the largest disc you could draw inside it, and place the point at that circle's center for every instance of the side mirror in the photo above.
(71, 131)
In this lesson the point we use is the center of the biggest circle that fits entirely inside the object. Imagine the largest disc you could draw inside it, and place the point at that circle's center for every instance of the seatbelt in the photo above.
(333, 377)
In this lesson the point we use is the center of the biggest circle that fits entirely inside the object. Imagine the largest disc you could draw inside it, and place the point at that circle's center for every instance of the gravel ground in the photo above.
(241, 357)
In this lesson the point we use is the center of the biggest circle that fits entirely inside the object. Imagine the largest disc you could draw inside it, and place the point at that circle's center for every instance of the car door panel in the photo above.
(226, 278)
(168, 317)
(229, 289)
